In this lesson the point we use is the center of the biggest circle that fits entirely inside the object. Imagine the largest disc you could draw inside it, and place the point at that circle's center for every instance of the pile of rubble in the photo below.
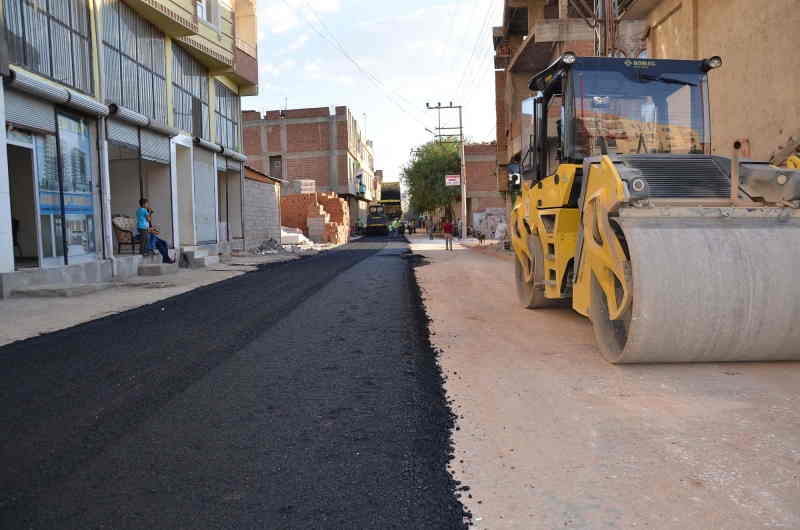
(321, 217)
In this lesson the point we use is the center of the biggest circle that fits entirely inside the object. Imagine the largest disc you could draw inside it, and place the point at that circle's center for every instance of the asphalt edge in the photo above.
(434, 386)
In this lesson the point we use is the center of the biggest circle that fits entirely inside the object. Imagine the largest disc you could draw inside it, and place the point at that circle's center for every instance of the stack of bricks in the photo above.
(317, 221)
(294, 210)
(323, 217)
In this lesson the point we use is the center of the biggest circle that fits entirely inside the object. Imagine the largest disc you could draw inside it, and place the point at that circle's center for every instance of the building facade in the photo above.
(107, 101)
(753, 39)
(314, 144)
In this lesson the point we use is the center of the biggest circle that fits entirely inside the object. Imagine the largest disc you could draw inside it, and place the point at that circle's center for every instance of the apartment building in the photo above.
(754, 40)
(107, 101)
(319, 144)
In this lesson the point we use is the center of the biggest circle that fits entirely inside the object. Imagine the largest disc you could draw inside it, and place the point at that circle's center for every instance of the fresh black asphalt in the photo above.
(303, 395)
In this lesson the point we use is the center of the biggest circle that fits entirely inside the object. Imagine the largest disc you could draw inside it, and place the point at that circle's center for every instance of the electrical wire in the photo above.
(475, 46)
(336, 44)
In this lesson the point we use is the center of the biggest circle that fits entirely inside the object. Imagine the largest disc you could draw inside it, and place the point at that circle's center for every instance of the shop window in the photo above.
(66, 192)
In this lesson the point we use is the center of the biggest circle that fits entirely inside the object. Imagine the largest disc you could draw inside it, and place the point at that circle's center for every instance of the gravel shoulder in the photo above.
(551, 436)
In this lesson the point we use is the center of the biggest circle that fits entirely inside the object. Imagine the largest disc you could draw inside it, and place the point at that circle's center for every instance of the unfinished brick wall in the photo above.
(252, 140)
(316, 168)
(481, 167)
(303, 137)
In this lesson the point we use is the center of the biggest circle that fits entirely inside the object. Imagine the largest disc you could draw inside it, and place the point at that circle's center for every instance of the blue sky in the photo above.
(419, 51)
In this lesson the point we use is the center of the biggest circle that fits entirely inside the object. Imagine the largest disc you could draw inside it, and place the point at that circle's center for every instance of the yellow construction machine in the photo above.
(674, 253)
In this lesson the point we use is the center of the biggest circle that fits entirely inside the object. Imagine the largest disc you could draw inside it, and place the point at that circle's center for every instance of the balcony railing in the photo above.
(168, 16)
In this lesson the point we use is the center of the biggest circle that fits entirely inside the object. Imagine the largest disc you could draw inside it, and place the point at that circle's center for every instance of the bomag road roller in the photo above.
(675, 254)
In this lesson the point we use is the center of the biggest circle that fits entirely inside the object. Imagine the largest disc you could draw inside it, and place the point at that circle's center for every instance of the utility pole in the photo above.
(453, 137)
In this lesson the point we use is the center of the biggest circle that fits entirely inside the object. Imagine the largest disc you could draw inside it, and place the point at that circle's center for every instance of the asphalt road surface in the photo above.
(304, 395)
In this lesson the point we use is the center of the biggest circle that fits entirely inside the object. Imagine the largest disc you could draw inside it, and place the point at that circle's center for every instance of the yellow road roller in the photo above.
(674, 253)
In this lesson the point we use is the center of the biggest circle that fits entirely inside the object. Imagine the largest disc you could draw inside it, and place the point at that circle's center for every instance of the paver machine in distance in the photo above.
(377, 223)
(674, 253)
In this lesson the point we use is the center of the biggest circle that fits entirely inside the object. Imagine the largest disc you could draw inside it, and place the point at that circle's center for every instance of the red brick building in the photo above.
(316, 144)
(481, 169)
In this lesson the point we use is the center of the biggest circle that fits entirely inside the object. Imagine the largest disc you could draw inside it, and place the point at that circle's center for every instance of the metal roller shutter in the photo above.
(29, 112)
(221, 165)
(155, 147)
(234, 165)
(123, 133)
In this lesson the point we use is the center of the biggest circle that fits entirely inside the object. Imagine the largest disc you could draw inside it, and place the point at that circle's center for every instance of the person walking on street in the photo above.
(447, 228)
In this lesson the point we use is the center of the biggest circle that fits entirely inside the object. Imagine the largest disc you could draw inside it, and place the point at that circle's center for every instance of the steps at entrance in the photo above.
(199, 258)
(62, 290)
(157, 269)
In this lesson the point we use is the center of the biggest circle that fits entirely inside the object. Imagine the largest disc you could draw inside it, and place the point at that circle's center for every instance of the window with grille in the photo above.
(189, 93)
(228, 112)
(135, 63)
(51, 38)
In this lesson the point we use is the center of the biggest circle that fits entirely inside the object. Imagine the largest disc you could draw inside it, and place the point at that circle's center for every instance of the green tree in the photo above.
(424, 177)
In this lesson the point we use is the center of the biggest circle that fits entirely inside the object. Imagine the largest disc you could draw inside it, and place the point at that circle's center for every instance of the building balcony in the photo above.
(218, 59)
(245, 68)
(176, 18)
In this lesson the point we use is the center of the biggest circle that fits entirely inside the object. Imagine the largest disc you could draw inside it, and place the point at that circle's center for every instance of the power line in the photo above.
(341, 47)
(477, 42)
(333, 41)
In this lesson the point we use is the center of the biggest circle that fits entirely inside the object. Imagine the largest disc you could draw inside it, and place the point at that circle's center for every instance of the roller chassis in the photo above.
(682, 251)
(675, 254)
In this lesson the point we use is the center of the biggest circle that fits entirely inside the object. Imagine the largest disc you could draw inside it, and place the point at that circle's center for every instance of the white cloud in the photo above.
(298, 42)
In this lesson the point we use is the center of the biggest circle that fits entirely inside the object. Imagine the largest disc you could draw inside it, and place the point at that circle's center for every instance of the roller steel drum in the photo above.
(708, 289)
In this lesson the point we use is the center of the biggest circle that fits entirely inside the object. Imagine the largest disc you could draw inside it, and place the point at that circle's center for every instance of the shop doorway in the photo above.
(24, 222)
(229, 206)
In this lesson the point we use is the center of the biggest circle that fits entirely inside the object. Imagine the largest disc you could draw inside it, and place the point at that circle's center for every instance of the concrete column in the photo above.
(6, 234)
(284, 151)
(333, 163)
(105, 195)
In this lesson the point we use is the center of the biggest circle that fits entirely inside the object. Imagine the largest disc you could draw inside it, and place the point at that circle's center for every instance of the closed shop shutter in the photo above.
(123, 133)
(29, 112)
(155, 147)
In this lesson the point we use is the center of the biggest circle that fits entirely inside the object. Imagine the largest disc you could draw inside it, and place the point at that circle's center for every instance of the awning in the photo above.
(27, 83)
(139, 133)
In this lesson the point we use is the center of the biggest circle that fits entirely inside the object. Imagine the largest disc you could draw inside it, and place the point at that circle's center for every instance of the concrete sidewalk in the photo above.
(22, 318)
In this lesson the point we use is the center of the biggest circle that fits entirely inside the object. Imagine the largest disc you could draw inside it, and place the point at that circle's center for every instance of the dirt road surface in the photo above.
(551, 436)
